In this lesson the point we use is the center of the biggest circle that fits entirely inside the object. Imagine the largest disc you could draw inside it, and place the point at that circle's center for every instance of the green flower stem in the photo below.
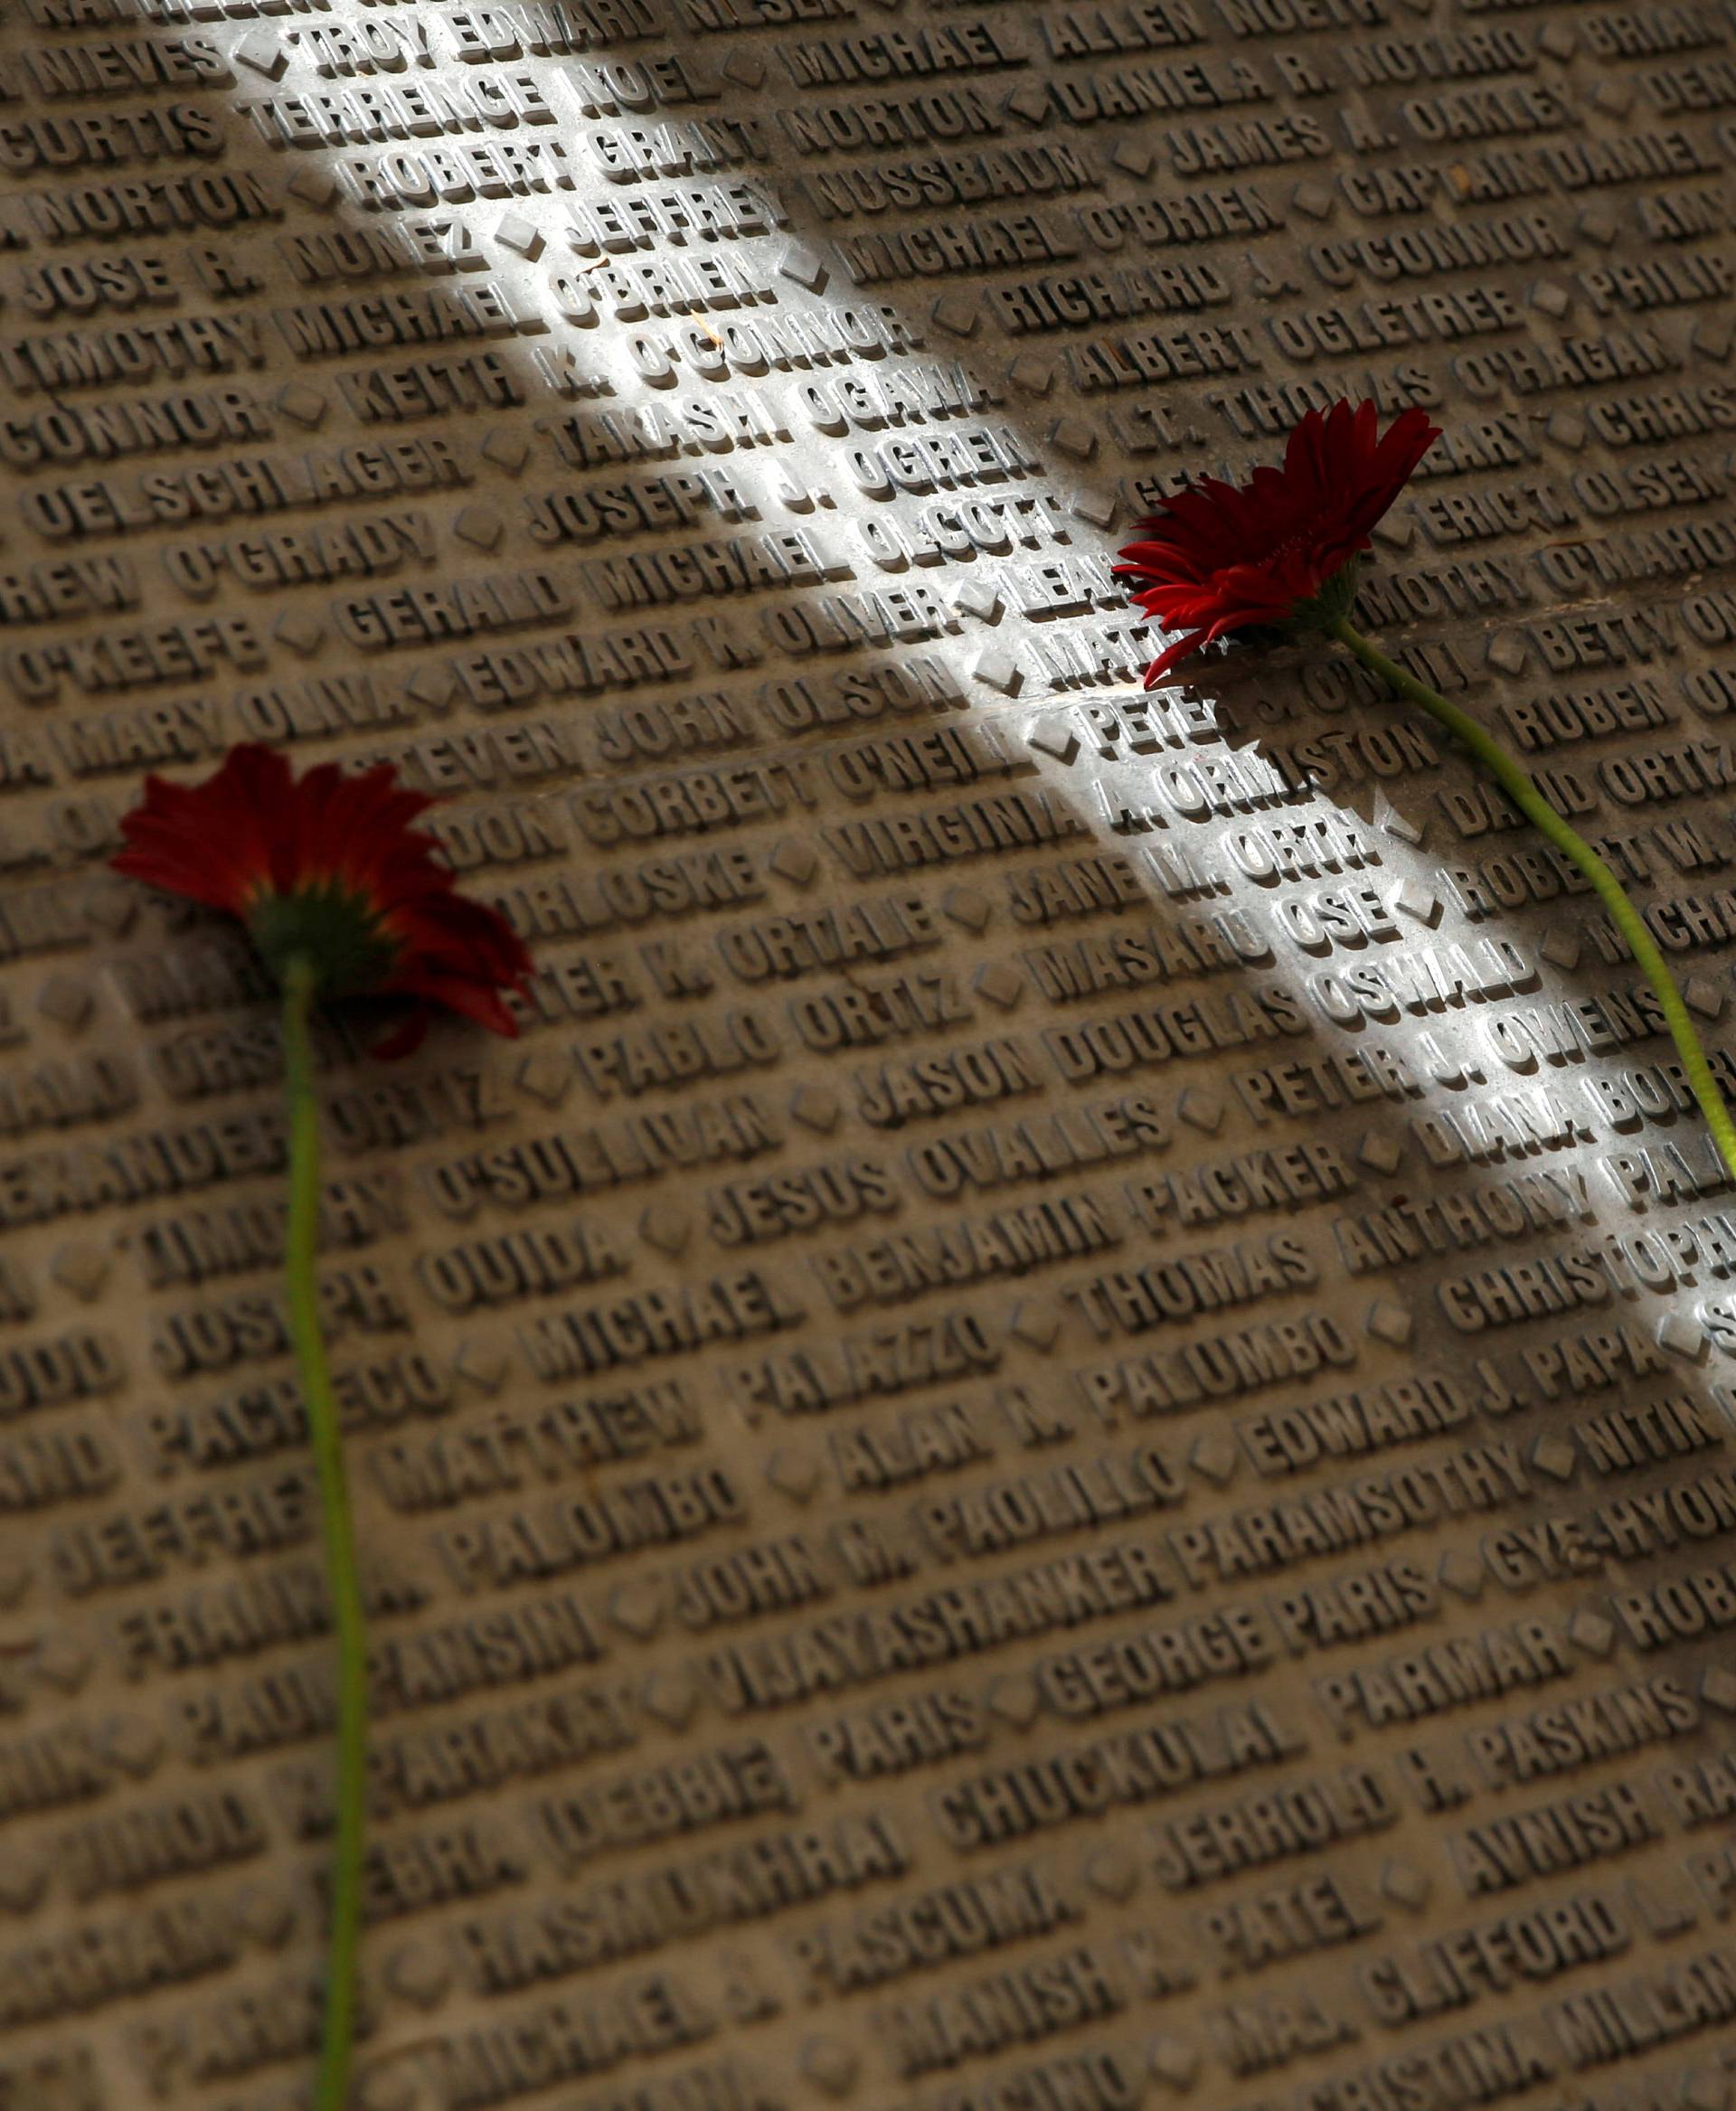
(331, 2092)
(1537, 809)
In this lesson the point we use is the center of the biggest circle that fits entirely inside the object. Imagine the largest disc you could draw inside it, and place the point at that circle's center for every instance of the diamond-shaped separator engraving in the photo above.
(671, 1697)
(1382, 1152)
(24, 1878)
(1660, 1913)
(1713, 335)
(637, 1608)
(1073, 436)
(1212, 1456)
(793, 1473)
(1000, 670)
(1405, 1885)
(260, 53)
(833, 2067)
(1000, 982)
(433, 685)
(1013, 1697)
(132, 1744)
(1461, 1572)
(519, 234)
(111, 907)
(1032, 372)
(802, 265)
(267, 1913)
(1173, 2060)
(814, 1107)
(505, 448)
(1718, 1688)
(66, 1001)
(665, 1226)
(299, 631)
(794, 860)
(312, 187)
(1418, 899)
(1200, 1108)
(1110, 1874)
(479, 525)
(392, 2086)
(1052, 737)
(481, 1364)
(1036, 1323)
(306, 406)
(1555, 1456)
(1589, 1631)
(80, 1267)
(546, 1076)
(62, 1661)
(1681, 1335)
(417, 1973)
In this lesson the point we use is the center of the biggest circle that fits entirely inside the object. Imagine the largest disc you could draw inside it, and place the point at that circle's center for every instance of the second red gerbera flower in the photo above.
(328, 867)
(1218, 558)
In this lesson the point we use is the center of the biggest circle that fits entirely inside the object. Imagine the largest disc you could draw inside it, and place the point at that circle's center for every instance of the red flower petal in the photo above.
(252, 837)
(213, 842)
(1218, 557)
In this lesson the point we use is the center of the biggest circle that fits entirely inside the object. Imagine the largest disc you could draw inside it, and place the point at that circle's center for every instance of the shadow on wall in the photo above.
(552, 451)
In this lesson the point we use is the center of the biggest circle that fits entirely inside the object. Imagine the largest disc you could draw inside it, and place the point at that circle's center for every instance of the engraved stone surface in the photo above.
(1059, 1438)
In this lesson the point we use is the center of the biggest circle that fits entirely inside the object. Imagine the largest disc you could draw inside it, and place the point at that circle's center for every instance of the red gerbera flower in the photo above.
(1216, 559)
(328, 867)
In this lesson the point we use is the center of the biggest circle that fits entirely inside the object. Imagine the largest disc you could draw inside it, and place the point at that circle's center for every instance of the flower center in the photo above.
(1335, 597)
(330, 926)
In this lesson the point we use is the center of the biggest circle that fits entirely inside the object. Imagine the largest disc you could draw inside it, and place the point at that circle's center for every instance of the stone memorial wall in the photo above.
(1060, 1437)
